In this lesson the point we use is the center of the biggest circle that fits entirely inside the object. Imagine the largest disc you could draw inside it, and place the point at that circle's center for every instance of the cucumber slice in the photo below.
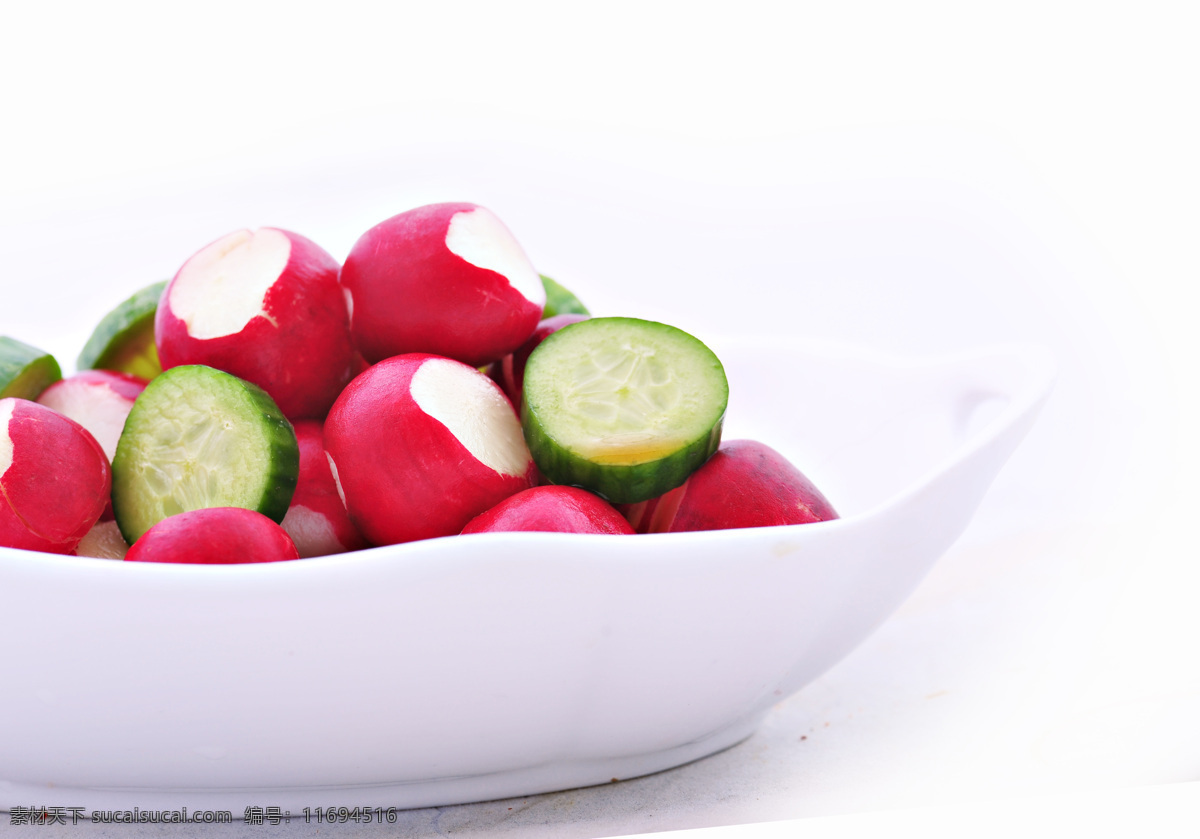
(124, 339)
(623, 407)
(25, 371)
(198, 437)
(560, 300)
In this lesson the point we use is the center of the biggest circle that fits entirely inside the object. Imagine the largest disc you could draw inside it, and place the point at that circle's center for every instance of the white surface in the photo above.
(920, 177)
(509, 663)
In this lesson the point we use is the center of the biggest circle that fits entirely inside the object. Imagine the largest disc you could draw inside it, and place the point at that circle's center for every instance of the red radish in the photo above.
(103, 541)
(448, 279)
(317, 520)
(419, 445)
(551, 509)
(744, 484)
(265, 306)
(54, 478)
(509, 372)
(99, 400)
(214, 536)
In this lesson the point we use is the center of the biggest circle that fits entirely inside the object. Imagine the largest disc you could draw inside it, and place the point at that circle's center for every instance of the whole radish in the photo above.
(54, 478)
(551, 509)
(420, 444)
(317, 520)
(214, 536)
(266, 306)
(447, 279)
(745, 484)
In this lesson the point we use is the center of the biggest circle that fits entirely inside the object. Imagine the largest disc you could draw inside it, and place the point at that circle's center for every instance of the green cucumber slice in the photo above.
(123, 341)
(623, 407)
(560, 300)
(25, 371)
(198, 437)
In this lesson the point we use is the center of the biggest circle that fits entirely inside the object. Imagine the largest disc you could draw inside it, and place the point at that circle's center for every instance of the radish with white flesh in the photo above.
(214, 536)
(447, 279)
(551, 509)
(317, 520)
(745, 484)
(623, 407)
(99, 400)
(509, 372)
(54, 478)
(265, 306)
(420, 444)
(103, 541)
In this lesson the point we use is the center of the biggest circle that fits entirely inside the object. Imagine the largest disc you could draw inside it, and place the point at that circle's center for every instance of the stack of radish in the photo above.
(269, 404)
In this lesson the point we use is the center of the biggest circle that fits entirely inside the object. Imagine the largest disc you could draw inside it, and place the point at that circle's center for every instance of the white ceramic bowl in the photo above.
(464, 669)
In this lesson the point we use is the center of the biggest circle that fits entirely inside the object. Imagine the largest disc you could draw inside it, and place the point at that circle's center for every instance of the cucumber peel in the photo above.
(560, 300)
(622, 407)
(123, 341)
(25, 371)
(198, 437)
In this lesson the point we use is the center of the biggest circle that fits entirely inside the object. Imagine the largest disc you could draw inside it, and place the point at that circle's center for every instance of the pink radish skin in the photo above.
(419, 445)
(317, 520)
(509, 372)
(745, 484)
(54, 478)
(265, 306)
(99, 400)
(551, 509)
(214, 536)
(448, 279)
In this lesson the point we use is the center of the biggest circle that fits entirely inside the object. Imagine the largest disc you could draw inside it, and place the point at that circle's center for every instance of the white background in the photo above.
(918, 177)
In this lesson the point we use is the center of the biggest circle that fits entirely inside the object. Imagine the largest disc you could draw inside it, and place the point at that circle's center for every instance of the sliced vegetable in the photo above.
(99, 400)
(560, 300)
(123, 341)
(25, 371)
(623, 407)
(197, 438)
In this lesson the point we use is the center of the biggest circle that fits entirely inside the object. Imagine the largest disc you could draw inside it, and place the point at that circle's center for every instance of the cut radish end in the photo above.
(317, 520)
(104, 541)
(482, 240)
(265, 306)
(224, 286)
(475, 411)
(99, 400)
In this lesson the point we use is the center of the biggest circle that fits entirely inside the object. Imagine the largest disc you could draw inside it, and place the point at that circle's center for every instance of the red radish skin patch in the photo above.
(551, 509)
(214, 536)
(475, 411)
(54, 478)
(481, 239)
